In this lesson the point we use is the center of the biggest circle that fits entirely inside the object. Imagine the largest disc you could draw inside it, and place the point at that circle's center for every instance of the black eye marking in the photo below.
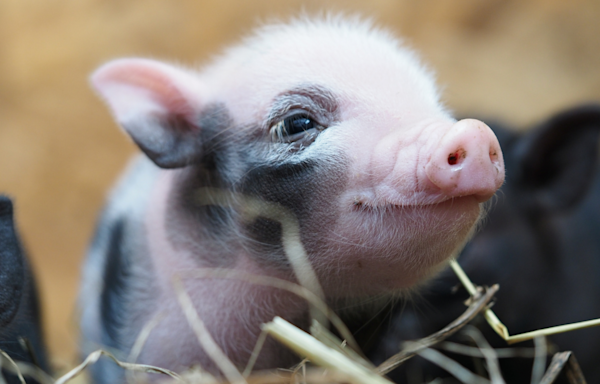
(294, 128)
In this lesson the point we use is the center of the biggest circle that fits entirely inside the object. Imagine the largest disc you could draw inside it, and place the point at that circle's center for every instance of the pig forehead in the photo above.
(365, 71)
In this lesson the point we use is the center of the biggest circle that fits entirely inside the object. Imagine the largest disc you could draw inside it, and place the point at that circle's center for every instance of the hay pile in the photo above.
(327, 359)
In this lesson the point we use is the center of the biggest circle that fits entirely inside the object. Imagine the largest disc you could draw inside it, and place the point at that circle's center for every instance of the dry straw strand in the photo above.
(4, 356)
(269, 281)
(501, 329)
(539, 362)
(478, 304)
(255, 352)
(564, 360)
(489, 354)
(204, 338)
(457, 370)
(320, 354)
(93, 357)
(501, 353)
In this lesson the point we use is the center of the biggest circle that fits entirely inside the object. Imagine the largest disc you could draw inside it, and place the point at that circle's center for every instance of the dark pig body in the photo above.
(330, 120)
(540, 242)
(20, 317)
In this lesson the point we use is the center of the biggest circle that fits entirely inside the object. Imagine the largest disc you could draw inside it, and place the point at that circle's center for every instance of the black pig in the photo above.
(20, 330)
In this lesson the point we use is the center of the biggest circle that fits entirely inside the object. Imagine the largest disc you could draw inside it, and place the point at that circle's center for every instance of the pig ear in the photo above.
(157, 105)
(558, 159)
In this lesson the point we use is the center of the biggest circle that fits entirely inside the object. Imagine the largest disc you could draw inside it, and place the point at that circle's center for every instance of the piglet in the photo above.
(332, 120)
(20, 317)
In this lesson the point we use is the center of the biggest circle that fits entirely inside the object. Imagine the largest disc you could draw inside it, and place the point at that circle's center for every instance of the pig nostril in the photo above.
(455, 157)
(493, 155)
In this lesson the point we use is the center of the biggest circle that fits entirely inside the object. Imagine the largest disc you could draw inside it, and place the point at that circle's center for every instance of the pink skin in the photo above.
(417, 177)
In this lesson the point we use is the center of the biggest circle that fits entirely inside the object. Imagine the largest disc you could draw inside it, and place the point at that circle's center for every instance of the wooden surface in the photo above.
(59, 150)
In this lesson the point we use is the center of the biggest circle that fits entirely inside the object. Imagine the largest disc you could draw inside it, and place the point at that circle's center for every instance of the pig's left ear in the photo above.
(557, 160)
(157, 105)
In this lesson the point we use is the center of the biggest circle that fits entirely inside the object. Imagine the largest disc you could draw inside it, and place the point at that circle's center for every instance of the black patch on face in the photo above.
(190, 223)
(289, 184)
(196, 220)
(219, 141)
(218, 167)
(240, 160)
(117, 274)
(265, 235)
(309, 189)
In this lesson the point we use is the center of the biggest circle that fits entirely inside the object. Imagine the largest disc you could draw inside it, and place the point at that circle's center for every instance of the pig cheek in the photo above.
(399, 247)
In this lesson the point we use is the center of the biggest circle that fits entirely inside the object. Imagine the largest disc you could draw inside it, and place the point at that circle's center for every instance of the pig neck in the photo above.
(232, 310)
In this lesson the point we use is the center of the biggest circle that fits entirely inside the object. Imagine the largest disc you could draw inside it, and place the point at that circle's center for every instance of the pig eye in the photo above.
(298, 124)
(299, 127)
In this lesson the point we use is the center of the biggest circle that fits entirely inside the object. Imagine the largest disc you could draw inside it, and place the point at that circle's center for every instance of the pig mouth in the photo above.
(360, 204)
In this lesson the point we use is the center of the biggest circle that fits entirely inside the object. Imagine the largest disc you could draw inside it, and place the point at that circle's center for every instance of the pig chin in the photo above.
(390, 248)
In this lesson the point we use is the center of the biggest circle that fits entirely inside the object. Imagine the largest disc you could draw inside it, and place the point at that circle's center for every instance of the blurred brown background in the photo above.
(59, 150)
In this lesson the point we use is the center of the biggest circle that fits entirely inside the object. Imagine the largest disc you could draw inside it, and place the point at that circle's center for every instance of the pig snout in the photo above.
(467, 161)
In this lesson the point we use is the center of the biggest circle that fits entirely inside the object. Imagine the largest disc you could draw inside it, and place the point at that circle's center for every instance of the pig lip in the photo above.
(361, 205)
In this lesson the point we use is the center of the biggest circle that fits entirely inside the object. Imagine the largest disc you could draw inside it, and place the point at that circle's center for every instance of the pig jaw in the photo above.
(400, 246)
